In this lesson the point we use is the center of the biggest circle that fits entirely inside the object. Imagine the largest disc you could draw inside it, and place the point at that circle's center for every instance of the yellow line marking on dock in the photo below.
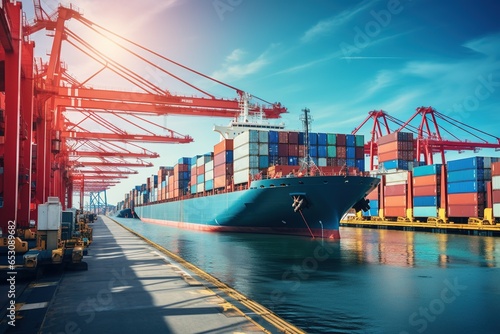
(260, 310)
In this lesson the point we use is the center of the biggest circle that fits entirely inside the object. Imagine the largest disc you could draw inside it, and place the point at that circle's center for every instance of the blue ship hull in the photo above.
(266, 207)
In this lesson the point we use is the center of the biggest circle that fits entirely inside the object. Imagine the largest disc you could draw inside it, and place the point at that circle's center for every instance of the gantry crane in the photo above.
(45, 152)
(428, 134)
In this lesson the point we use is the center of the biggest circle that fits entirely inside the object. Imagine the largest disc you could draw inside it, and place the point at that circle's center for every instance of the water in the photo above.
(371, 281)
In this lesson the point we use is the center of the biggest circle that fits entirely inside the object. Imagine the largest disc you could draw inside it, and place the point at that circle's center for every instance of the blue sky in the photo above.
(339, 58)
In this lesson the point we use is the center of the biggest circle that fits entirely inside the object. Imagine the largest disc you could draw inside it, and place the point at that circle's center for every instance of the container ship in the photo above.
(260, 179)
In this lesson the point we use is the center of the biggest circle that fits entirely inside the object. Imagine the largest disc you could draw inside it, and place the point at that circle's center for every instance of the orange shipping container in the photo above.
(428, 180)
(466, 199)
(224, 145)
(426, 191)
(395, 190)
(495, 168)
(221, 181)
(395, 201)
(373, 195)
(395, 212)
(465, 211)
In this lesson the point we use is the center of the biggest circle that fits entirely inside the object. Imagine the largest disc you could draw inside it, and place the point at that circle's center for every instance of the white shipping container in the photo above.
(203, 160)
(496, 210)
(322, 162)
(263, 149)
(242, 176)
(495, 182)
(250, 136)
(209, 166)
(263, 137)
(396, 178)
(49, 216)
(200, 187)
(249, 161)
(209, 175)
(247, 149)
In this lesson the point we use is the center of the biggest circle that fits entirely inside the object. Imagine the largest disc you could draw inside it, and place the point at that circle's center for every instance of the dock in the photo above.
(434, 227)
(134, 286)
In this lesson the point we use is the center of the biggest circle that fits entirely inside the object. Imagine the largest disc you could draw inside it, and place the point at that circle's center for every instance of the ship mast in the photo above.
(307, 163)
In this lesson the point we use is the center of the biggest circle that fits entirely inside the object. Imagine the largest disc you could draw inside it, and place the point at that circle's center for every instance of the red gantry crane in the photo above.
(72, 136)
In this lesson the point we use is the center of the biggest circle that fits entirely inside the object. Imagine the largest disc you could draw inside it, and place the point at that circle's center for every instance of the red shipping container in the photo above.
(360, 153)
(293, 150)
(465, 211)
(395, 190)
(395, 212)
(495, 168)
(341, 152)
(395, 201)
(293, 137)
(428, 180)
(283, 150)
(283, 137)
(341, 139)
(302, 150)
(426, 191)
(224, 145)
(200, 170)
(220, 158)
(466, 199)
(496, 196)
(373, 195)
(225, 169)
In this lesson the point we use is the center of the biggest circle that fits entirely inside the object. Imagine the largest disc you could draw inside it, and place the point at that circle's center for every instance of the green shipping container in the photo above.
(360, 140)
(331, 151)
(331, 139)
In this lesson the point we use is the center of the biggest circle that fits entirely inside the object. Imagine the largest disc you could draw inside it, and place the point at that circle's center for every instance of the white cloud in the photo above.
(235, 66)
(325, 26)
(487, 45)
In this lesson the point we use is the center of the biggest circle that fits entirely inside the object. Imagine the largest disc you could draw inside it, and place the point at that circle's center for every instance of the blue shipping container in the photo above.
(193, 189)
(427, 170)
(263, 161)
(466, 175)
(467, 163)
(184, 160)
(313, 151)
(374, 204)
(351, 162)
(313, 139)
(425, 211)
(351, 152)
(322, 139)
(301, 138)
(425, 201)
(465, 187)
(322, 151)
(273, 137)
(360, 163)
(395, 164)
(200, 179)
(209, 185)
(350, 140)
(293, 161)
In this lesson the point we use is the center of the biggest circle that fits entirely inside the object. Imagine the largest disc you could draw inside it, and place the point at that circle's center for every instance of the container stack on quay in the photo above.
(495, 188)
(426, 190)
(396, 194)
(466, 186)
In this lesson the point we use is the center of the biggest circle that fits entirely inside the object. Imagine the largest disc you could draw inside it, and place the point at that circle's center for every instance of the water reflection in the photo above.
(369, 281)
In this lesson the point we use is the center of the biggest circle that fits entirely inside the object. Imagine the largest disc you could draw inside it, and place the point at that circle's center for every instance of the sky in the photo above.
(339, 58)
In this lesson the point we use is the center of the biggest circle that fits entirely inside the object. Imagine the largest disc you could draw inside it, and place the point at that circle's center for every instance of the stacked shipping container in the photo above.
(426, 190)
(223, 163)
(396, 194)
(396, 151)
(466, 186)
(495, 185)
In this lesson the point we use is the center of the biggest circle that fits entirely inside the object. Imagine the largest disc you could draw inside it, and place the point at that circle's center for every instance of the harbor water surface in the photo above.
(370, 281)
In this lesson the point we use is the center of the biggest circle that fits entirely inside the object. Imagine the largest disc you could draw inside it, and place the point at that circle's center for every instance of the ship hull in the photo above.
(266, 207)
